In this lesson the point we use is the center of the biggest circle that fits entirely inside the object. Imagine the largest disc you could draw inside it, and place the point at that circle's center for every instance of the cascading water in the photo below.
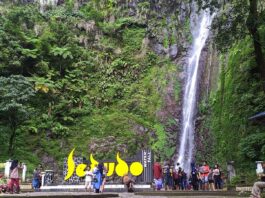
(200, 24)
(44, 3)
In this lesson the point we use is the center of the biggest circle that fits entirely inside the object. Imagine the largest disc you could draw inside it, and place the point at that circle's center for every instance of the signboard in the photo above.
(147, 161)
(140, 166)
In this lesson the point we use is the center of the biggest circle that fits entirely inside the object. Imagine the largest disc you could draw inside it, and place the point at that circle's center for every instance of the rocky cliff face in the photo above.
(168, 26)
(210, 69)
(165, 31)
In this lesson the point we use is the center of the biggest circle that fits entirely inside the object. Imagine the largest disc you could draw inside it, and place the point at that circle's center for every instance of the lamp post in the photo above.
(24, 171)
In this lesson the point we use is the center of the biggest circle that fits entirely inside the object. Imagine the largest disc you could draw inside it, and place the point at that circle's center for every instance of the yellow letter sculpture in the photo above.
(136, 168)
(70, 165)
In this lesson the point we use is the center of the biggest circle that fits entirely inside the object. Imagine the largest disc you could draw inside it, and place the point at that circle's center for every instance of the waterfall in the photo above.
(44, 3)
(200, 24)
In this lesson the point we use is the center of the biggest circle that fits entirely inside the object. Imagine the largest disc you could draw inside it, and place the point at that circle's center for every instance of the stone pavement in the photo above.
(126, 195)
(60, 195)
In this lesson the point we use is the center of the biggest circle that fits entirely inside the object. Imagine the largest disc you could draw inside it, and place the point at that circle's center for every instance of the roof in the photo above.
(257, 116)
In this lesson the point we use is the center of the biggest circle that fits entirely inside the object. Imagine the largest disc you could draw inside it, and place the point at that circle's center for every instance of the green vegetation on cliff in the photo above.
(239, 97)
(94, 80)
(225, 114)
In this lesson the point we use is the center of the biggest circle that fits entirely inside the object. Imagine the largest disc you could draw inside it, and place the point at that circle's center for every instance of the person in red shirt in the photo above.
(157, 170)
(205, 173)
(157, 175)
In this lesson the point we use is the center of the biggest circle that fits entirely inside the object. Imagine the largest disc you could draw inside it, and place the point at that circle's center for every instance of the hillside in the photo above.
(107, 76)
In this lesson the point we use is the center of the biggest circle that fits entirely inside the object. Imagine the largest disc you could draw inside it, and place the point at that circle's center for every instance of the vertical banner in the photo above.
(147, 160)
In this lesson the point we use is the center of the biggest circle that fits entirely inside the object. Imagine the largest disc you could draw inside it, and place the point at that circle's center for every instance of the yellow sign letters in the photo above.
(122, 168)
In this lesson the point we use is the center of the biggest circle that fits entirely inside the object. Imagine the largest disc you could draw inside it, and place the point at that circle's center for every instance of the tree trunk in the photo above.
(253, 25)
(13, 128)
(11, 142)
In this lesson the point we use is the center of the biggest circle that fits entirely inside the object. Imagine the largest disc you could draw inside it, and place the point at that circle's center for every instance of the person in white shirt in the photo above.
(217, 177)
(177, 166)
(88, 180)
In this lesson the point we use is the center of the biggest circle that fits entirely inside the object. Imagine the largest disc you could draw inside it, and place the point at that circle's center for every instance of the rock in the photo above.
(182, 76)
(60, 2)
(117, 51)
(112, 19)
(159, 49)
(173, 51)
(88, 26)
(49, 163)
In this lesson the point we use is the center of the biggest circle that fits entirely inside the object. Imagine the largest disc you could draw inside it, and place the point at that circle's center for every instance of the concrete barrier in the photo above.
(107, 188)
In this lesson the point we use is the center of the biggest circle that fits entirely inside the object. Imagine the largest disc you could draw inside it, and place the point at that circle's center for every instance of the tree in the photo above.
(253, 25)
(15, 94)
(237, 19)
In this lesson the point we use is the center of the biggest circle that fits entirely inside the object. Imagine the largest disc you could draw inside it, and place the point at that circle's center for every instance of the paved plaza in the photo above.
(125, 195)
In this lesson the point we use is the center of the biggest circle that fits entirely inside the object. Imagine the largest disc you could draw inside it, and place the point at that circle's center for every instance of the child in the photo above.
(88, 180)
(3, 185)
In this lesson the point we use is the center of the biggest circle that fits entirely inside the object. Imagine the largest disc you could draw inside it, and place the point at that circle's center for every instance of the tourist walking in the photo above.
(14, 177)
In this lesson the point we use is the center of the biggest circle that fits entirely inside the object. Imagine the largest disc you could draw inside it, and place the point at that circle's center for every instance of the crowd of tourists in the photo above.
(168, 177)
(94, 179)
(201, 177)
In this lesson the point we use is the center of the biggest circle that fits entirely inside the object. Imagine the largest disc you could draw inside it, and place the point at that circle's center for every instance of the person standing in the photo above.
(205, 173)
(177, 167)
(14, 176)
(194, 177)
(36, 180)
(88, 179)
(157, 175)
(168, 176)
(176, 179)
(97, 180)
(183, 179)
(200, 173)
(211, 180)
(217, 176)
